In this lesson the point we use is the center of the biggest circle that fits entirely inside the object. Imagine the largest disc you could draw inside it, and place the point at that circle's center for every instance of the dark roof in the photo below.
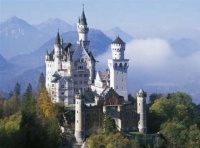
(91, 56)
(83, 19)
(57, 41)
(118, 40)
(56, 78)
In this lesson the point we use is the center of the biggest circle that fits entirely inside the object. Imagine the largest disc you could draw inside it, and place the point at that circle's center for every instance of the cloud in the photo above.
(148, 53)
(156, 67)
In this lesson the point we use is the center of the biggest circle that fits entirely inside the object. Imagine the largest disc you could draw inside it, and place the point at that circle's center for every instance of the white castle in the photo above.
(71, 67)
(70, 71)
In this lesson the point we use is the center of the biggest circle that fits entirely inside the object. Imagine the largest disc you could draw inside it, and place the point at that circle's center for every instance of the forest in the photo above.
(30, 119)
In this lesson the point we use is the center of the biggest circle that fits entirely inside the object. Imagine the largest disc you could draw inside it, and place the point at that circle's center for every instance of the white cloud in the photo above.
(155, 67)
(149, 52)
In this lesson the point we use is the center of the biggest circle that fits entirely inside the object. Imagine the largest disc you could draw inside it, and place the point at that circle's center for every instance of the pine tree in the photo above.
(17, 89)
(28, 124)
(41, 82)
(108, 124)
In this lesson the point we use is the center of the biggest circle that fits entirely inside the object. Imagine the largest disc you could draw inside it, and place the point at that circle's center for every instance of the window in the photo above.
(85, 75)
(77, 121)
(62, 86)
(77, 111)
(62, 93)
(116, 87)
(80, 75)
(80, 82)
(52, 85)
(74, 75)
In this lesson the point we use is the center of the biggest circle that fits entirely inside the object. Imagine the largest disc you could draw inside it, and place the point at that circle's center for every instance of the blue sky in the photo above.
(149, 18)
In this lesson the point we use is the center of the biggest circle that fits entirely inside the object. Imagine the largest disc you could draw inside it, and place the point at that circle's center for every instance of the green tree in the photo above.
(108, 124)
(2, 100)
(41, 82)
(193, 137)
(173, 115)
(17, 89)
(48, 114)
(28, 125)
(134, 143)
(117, 141)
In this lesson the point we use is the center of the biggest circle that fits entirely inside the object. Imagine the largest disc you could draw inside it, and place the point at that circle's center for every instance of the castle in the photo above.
(70, 72)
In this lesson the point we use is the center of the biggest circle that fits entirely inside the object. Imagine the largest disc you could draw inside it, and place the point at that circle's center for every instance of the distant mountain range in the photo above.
(23, 46)
(99, 44)
(4, 64)
(25, 66)
(51, 26)
(185, 47)
(19, 37)
(114, 32)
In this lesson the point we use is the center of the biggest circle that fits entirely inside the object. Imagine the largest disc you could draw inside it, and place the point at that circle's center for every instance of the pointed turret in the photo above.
(57, 41)
(83, 30)
(118, 40)
(118, 47)
(83, 20)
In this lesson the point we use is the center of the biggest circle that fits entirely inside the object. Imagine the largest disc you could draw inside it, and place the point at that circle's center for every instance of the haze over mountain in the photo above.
(3, 63)
(155, 65)
(185, 47)
(116, 31)
(51, 26)
(29, 66)
(19, 37)
(99, 44)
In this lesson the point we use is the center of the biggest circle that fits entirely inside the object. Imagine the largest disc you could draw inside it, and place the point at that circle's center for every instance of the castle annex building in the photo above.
(70, 71)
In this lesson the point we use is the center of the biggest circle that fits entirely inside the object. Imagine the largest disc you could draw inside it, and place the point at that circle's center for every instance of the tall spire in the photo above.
(83, 18)
(57, 41)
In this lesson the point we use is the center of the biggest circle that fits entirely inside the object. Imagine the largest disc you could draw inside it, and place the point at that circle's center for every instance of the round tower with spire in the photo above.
(141, 110)
(83, 31)
(79, 118)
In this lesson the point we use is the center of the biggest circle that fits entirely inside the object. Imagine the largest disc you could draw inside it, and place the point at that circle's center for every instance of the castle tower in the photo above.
(118, 67)
(57, 52)
(83, 31)
(79, 118)
(141, 110)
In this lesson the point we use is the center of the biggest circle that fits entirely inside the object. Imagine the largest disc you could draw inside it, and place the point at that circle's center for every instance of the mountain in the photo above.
(185, 47)
(51, 26)
(27, 67)
(4, 64)
(112, 33)
(99, 44)
(19, 37)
